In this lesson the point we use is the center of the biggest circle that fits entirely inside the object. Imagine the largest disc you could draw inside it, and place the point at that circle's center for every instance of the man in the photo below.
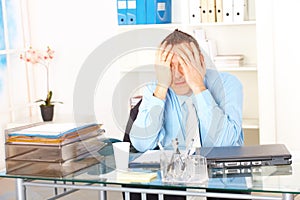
(214, 116)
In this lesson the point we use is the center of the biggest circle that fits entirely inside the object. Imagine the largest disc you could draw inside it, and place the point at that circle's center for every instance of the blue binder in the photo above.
(141, 15)
(159, 11)
(122, 12)
(131, 11)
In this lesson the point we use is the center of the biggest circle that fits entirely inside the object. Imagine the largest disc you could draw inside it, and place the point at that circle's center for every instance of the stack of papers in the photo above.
(138, 177)
(54, 133)
(228, 60)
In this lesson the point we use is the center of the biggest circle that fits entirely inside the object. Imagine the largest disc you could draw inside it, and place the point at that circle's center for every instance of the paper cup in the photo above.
(121, 154)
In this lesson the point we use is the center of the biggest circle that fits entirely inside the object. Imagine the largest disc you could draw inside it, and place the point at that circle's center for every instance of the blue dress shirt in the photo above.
(219, 111)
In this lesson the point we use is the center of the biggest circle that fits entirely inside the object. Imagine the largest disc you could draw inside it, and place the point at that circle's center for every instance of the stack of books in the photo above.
(222, 61)
(52, 149)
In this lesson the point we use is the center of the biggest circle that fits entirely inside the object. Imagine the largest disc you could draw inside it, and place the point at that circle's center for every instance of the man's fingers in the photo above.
(196, 52)
(181, 52)
(169, 57)
(165, 52)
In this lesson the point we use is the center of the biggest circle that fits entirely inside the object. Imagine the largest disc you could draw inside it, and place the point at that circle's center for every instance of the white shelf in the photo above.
(238, 69)
(250, 124)
(173, 25)
(144, 26)
(224, 24)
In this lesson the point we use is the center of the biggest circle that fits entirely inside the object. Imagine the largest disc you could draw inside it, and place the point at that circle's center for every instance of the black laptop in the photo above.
(246, 156)
(232, 160)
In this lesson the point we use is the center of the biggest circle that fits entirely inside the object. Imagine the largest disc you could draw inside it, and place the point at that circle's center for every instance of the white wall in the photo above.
(287, 71)
(73, 29)
(279, 67)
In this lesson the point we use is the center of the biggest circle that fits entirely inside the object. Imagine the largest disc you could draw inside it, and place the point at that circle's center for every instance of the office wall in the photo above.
(74, 29)
(278, 47)
(287, 71)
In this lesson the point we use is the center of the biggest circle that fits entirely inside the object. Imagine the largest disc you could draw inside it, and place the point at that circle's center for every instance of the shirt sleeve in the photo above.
(219, 110)
(148, 128)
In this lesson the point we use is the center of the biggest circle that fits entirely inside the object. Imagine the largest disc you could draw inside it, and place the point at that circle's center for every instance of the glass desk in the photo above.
(271, 180)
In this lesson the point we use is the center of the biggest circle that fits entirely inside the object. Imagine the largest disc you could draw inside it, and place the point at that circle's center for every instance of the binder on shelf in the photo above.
(251, 10)
(204, 10)
(141, 15)
(219, 10)
(159, 11)
(122, 12)
(239, 10)
(194, 11)
(131, 12)
(228, 11)
(211, 14)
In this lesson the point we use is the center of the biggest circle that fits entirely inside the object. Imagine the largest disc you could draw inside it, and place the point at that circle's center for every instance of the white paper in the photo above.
(49, 130)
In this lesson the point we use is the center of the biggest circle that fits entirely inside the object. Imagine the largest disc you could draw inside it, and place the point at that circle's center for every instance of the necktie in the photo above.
(192, 129)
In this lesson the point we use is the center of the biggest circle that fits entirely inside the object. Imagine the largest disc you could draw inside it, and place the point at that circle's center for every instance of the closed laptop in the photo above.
(246, 156)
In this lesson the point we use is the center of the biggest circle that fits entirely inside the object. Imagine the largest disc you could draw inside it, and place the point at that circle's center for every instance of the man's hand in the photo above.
(163, 60)
(192, 63)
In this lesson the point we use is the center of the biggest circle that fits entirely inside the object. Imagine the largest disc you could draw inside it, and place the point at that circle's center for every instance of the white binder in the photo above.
(204, 11)
(211, 14)
(239, 10)
(227, 11)
(219, 10)
(194, 11)
(251, 10)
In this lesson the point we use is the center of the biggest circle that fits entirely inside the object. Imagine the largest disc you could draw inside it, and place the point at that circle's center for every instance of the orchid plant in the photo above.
(35, 56)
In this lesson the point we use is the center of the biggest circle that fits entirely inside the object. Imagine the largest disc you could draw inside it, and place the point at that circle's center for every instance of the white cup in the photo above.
(121, 154)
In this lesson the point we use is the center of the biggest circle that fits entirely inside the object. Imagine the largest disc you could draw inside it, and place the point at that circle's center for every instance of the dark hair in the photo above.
(178, 37)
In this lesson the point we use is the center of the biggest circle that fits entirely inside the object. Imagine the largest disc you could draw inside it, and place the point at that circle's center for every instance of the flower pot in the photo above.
(47, 112)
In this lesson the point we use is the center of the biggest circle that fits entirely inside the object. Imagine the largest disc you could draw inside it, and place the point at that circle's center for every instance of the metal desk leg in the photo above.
(102, 194)
(287, 196)
(20, 189)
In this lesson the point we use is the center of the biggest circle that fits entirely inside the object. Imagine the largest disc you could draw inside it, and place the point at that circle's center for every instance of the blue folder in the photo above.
(141, 12)
(131, 11)
(122, 12)
(159, 11)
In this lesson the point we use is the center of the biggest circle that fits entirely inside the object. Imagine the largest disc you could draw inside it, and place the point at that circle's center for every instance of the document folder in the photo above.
(131, 12)
(141, 12)
(159, 11)
(122, 12)
(195, 13)
(239, 10)
(204, 11)
(228, 11)
(211, 8)
(219, 10)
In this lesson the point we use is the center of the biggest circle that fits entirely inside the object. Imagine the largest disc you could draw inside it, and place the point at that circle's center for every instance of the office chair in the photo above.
(137, 196)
